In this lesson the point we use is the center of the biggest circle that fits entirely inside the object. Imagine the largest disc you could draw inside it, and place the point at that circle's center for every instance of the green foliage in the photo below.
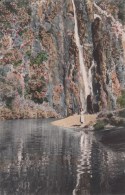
(28, 53)
(22, 31)
(6, 24)
(45, 99)
(99, 125)
(26, 78)
(1, 35)
(36, 87)
(36, 100)
(10, 8)
(41, 57)
(8, 54)
(122, 113)
(7, 93)
(2, 72)
(2, 79)
(121, 13)
(9, 101)
(17, 63)
(29, 11)
(19, 89)
(41, 100)
(121, 100)
(23, 3)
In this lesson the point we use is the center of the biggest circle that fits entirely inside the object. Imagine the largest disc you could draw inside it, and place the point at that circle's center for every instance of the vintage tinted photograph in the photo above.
(62, 97)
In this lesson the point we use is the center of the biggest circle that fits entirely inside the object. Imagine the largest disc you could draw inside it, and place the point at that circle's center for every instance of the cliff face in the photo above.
(60, 51)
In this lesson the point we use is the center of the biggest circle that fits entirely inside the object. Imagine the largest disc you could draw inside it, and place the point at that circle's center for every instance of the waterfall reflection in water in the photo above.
(38, 158)
(84, 165)
(100, 170)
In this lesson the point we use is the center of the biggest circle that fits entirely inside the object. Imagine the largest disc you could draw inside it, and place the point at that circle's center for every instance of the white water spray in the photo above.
(81, 58)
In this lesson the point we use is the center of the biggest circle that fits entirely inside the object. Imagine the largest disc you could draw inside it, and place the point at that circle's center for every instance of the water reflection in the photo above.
(37, 158)
(84, 169)
(100, 170)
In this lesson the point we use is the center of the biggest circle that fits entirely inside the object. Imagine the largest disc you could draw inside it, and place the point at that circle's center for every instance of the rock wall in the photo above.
(39, 56)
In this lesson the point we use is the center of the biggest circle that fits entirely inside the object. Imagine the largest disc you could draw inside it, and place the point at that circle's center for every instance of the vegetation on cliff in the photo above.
(121, 100)
(41, 60)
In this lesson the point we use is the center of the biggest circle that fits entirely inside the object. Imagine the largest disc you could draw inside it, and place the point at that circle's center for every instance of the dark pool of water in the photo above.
(37, 158)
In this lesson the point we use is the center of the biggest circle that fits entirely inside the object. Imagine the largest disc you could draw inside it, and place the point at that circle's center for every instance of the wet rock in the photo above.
(117, 121)
(107, 114)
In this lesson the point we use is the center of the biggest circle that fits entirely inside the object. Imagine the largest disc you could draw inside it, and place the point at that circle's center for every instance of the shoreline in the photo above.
(97, 122)
(74, 121)
(27, 113)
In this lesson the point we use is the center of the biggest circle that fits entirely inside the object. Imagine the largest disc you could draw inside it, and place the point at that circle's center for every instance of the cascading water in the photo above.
(81, 62)
(90, 77)
(123, 43)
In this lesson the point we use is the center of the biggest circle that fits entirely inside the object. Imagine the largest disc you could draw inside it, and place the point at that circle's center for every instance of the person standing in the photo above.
(82, 118)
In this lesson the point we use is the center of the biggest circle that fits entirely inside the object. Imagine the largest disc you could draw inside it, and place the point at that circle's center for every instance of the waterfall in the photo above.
(81, 60)
(90, 77)
(123, 43)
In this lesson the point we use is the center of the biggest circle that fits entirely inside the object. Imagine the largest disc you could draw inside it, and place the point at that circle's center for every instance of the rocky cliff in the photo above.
(54, 53)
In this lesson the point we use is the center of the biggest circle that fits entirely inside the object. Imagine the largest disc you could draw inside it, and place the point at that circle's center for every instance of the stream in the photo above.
(37, 158)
